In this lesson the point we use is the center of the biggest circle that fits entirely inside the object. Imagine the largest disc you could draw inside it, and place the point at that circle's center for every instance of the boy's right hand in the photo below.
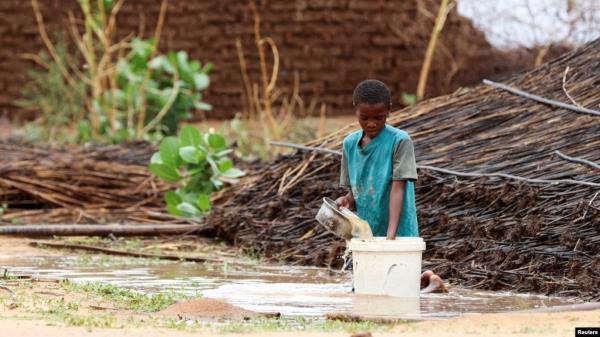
(344, 202)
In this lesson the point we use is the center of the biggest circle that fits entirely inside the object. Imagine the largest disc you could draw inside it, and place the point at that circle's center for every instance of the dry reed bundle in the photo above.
(91, 184)
(499, 209)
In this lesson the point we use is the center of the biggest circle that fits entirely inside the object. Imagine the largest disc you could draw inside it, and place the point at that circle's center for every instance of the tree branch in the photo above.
(452, 172)
(540, 99)
(577, 160)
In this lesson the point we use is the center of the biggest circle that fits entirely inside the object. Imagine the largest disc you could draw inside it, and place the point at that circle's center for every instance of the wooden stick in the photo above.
(247, 92)
(119, 252)
(305, 148)
(564, 87)
(266, 83)
(157, 34)
(540, 99)
(508, 176)
(452, 172)
(437, 28)
(100, 230)
(49, 45)
(111, 251)
(577, 160)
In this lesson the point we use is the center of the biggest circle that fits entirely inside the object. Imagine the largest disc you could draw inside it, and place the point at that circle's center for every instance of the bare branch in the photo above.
(541, 99)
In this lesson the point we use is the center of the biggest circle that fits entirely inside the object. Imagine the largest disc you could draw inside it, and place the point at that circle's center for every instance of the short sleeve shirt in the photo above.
(369, 173)
(404, 165)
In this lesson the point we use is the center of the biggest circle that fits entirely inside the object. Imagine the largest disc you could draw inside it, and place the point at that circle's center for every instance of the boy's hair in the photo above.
(371, 92)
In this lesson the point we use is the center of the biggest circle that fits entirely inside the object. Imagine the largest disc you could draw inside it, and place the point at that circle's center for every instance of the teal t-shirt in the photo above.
(369, 172)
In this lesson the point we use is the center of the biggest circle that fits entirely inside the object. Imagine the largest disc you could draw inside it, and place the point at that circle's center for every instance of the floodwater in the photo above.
(292, 291)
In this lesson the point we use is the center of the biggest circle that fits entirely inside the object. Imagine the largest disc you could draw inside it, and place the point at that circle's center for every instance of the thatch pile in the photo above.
(488, 232)
(92, 184)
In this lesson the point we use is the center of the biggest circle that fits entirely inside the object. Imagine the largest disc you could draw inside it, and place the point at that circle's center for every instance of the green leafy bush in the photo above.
(171, 85)
(199, 164)
(111, 91)
(161, 91)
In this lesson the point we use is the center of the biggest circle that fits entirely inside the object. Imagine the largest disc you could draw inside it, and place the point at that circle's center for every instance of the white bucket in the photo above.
(369, 306)
(387, 267)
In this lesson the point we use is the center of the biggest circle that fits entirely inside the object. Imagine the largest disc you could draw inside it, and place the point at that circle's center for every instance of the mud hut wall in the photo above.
(332, 44)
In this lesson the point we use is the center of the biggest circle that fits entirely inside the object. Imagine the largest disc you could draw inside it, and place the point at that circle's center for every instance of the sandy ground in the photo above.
(51, 309)
(539, 324)
(207, 309)
(16, 246)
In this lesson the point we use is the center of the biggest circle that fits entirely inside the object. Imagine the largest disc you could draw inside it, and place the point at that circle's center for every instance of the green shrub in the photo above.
(56, 100)
(165, 87)
(199, 164)
(111, 91)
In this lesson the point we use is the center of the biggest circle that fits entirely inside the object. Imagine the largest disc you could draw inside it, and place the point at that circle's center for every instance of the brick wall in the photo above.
(333, 44)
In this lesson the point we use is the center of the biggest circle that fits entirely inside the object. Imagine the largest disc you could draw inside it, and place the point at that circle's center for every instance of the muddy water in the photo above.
(289, 290)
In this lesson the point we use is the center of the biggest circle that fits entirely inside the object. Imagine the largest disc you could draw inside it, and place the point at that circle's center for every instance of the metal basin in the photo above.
(332, 218)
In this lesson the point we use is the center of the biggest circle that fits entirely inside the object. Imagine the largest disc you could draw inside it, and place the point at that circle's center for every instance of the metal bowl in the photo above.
(334, 220)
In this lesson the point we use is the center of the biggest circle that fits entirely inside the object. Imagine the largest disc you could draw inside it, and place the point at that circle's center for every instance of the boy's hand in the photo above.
(347, 201)
(343, 202)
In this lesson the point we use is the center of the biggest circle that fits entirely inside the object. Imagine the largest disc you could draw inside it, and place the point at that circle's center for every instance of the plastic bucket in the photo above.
(387, 307)
(387, 267)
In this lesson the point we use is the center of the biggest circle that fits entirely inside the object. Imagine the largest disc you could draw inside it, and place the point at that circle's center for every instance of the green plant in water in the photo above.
(199, 164)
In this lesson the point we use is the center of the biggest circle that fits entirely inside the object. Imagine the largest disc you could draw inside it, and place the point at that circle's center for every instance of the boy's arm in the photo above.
(396, 205)
(404, 168)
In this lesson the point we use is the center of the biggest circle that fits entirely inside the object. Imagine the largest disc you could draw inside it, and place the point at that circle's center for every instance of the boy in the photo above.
(379, 167)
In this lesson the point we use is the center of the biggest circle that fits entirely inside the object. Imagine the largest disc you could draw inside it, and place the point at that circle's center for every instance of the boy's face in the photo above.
(372, 117)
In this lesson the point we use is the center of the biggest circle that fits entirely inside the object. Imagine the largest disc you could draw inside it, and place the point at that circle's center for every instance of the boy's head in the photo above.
(372, 101)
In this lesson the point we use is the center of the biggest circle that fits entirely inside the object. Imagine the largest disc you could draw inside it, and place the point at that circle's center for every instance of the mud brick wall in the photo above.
(332, 44)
